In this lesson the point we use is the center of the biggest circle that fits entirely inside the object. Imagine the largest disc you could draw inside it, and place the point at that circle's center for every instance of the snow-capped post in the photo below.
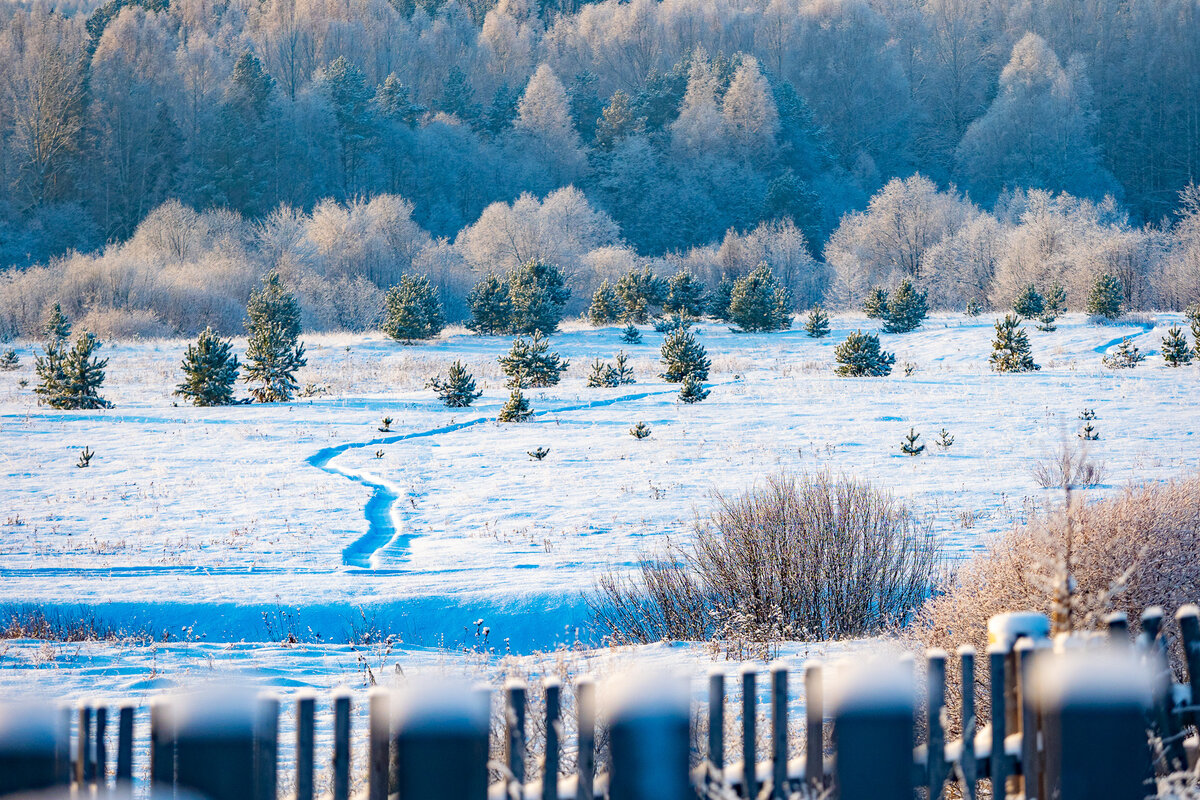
(873, 733)
(305, 712)
(266, 736)
(649, 740)
(1154, 647)
(749, 735)
(1007, 630)
(341, 744)
(379, 710)
(553, 689)
(29, 739)
(1094, 706)
(1117, 624)
(216, 743)
(716, 725)
(1188, 617)
(514, 736)
(967, 765)
(779, 731)
(84, 767)
(441, 743)
(585, 711)
(125, 747)
(814, 713)
(998, 766)
(935, 749)
(162, 743)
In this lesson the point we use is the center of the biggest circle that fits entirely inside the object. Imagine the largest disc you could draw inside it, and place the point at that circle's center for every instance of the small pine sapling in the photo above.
(57, 327)
(386, 427)
(758, 303)
(1087, 414)
(539, 453)
(875, 305)
(605, 307)
(906, 309)
(1010, 348)
(1106, 297)
(1029, 302)
(210, 371)
(1088, 433)
(458, 389)
(9, 361)
(413, 310)
(631, 335)
(908, 368)
(861, 356)
(640, 431)
(945, 441)
(1126, 356)
(624, 371)
(516, 409)
(85, 458)
(1192, 315)
(1054, 305)
(974, 308)
(816, 325)
(71, 379)
(674, 321)
(491, 306)
(602, 376)
(910, 445)
(379, 454)
(1175, 349)
(274, 352)
(693, 390)
(683, 356)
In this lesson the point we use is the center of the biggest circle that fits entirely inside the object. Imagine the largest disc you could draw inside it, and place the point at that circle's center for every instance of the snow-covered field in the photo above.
(253, 523)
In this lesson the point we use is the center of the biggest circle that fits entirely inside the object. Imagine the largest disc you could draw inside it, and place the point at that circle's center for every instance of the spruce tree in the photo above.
(905, 309)
(516, 409)
(876, 303)
(861, 356)
(71, 378)
(210, 370)
(1010, 348)
(640, 293)
(491, 307)
(817, 323)
(1054, 305)
(530, 363)
(9, 361)
(1126, 356)
(717, 302)
(57, 327)
(631, 335)
(683, 356)
(1175, 349)
(274, 353)
(538, 292)
(1029, 302)
(910, 446)
(458, 388)
(602, 376)
(624, 371)
(685, 295)
(944, 440)
(692, 390)
(758, 303)
(605, 307)
(1106, 297)
(413, 310)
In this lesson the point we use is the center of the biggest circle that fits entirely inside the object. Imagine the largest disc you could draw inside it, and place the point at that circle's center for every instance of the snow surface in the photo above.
(250, 523)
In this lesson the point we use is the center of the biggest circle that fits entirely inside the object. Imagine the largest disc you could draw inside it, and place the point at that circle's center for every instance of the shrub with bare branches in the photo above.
(1068, 467)
(809, 557)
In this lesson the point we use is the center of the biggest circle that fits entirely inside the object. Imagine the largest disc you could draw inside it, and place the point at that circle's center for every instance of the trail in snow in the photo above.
(1145, 326)
(383, 530)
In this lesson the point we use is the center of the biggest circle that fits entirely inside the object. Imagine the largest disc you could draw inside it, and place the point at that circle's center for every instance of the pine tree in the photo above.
(692, 390)
(57, 327)
(413, 310)
(817, 323)
(974, 308)
(1126, 356)
(1010, 348)
(944, 440)
(1106, 297)
(491, 307)
(876, 303)
(1192, 314)
(624, 371)
(905, 309)
(640, 431)
(1087, 414)
(1088, 432)
(861, 356)
(1054, 305)
(758, 303)
(1029, 303)
(909, 446)
(719, 299)
(603, 376)
(538, 453)
(640, 292)
(530, 363)
(516, 409)
(1175, 349)
(683, 356)
(274, 353)
(71, 379)
(210, 370)
(9, 361)
(605, 307)
(538, 292)
(458, 389)
(671, 322)
(685, 295)
(631, 335)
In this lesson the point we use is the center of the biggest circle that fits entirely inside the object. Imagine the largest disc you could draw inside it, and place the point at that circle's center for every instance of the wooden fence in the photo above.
(1083, 717)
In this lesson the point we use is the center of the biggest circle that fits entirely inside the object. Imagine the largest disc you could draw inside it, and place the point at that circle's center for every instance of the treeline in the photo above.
(680, 120)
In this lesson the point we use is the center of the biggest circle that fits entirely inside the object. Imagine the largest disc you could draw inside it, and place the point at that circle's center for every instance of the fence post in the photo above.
(215, 744)
(305, 717)
(266, 739)
(441, 744)
(553, 690)
(84, 768)
(779, 731)
(935, 747)
(1155, 653)
(716, 725)
(873, 734)
(162, 744)
(585, 726)
(125, 746)
(514, 735)
(341, 744)
(62, 747)
(967, 767)
(29, 743)
(1094, 707)
(379, 729)
(1188, 617)
(649, 740)
(1031, 769)
(814, 718)
(1117, 624)
(101, 768)
(749, 733)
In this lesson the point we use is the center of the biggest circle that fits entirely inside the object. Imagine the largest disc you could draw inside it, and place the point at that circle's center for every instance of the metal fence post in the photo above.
(935, 747)
(379, 727)
(266, 740)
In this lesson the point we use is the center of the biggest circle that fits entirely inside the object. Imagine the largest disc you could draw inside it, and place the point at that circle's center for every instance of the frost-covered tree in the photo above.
(816, 324)
(530, 363)
(1175, 348)
(1192, 314)
(605, 307)
(1029, 302)
(758, 303)
(57, 327)
(861, 356)
(1106, 298)
(71, 378)
(623, 370)
(538, 293)
(274, 352)
(515, 409)
(692, 390)
(631, 335)
(905, 309)
(1054, 305)
(413, 310)
(9, 360)
(685, 295)
(491, 306)
(640, 293)
(1126, 356)
(876, 302)
(1010, 348)
(683, 356)
(457, 389)
(911, 445)
(749, 112)
(602, 376)
(717, 301)
(544, 124)
(210, 370)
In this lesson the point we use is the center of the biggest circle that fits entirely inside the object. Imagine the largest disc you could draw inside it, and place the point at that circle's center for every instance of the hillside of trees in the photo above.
(157, 156)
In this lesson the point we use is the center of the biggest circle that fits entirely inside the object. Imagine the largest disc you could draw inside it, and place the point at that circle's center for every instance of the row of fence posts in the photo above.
(1069, 722)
